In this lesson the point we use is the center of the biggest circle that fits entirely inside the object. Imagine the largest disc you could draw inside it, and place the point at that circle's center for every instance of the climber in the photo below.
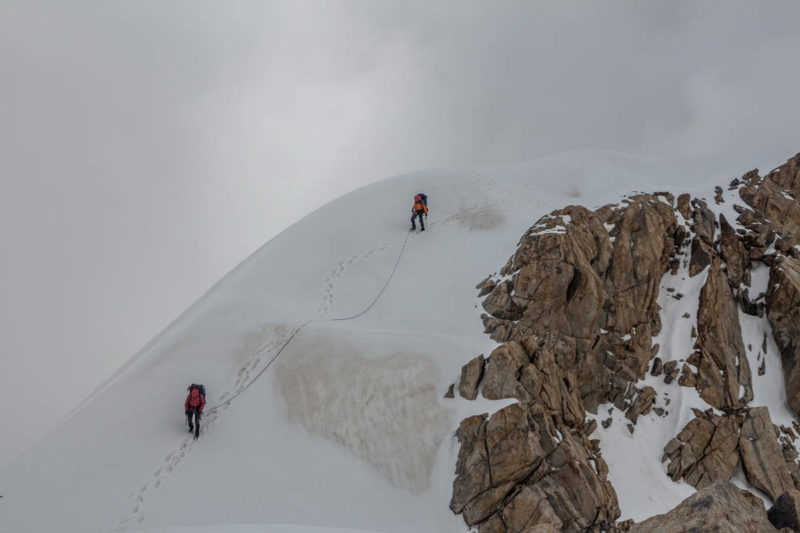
(194, 404)
(420, 208)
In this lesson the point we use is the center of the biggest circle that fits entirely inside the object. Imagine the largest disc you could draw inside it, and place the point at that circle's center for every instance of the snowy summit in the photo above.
(327, 354)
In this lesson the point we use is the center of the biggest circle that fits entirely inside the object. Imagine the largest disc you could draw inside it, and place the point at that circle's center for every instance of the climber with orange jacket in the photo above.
(420, 208)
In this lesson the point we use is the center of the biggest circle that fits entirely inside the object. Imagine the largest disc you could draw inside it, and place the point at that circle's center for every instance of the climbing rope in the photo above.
(315, 321)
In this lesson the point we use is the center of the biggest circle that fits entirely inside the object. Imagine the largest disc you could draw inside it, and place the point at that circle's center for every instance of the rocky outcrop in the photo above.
(783, 312)
(517, 469)
(503, 371)
(774, 198)
(773, 229)
(642, 404)
(699, 257)
(708, 449)
(471, 375)
(531, 462)
(722, 367)
(705, 451)
(684, 206)
(575, 310)
(704, 221)
(573, 279)
(718, 508)
(737, 260)
(529, 371)
(762, 459)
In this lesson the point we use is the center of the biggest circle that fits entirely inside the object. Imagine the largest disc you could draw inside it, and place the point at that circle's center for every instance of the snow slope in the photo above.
(347, 428)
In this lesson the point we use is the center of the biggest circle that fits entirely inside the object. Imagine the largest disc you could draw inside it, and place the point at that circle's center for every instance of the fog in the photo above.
(148, 147)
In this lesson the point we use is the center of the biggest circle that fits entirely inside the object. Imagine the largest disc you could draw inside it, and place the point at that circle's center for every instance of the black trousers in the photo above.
(415, 214)
(196, 425)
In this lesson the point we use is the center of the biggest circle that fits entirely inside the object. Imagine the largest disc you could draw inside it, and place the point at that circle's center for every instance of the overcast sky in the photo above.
(147, 147)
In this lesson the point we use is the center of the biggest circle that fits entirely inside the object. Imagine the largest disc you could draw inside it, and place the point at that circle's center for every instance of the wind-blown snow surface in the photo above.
(348, 428)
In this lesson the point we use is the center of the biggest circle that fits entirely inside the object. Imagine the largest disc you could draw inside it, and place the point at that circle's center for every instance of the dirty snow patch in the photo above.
(384, 410)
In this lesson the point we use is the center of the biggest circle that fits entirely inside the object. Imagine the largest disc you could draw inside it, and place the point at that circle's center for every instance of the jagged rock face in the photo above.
(705, 451)
(701, 256)
(775, 203)
(722, 368)
(684, 206)
(704, 221)
(529, 371)
(783, 312)
(518, 467)
(503, 369)
(762, 459)
(775, 197)
(471, 375)
(571, 277)
(531, 463)
(575, 310)
(719, 508)
(737, 260)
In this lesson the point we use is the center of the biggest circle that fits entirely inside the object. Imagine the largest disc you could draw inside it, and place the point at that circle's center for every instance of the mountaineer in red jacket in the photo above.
(194, 404)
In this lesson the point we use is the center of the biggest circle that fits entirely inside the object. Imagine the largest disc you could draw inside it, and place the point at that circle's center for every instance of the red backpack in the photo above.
(195, 392)
(194, 398)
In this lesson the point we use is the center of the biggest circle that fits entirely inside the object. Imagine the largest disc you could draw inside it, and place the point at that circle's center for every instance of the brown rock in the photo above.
(502, 369)
(705, 451)
(530, 508)
(718, 508)
(684, 208)
(785, 244)
(493, 525)
(774, 197)
(723, 366)
(518, 456)
(718, 199)
(733, 252)
(762, 459)
(748, 306)
(471, 374)
(472, 468)
(576, 316)
(786, 511)
(701, 255)
(688, 378)
(544, 383)
(450, 391)
(499, 303)
(569, 286)
(542, 528)
(486, 286)
(572, 498)
(704, 221)
(642, 404)
(657, 367)
(512, 444)
(783, 312)
(486, 503)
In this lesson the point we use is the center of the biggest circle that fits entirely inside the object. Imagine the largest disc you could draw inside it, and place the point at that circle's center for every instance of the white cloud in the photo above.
(147, 147)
